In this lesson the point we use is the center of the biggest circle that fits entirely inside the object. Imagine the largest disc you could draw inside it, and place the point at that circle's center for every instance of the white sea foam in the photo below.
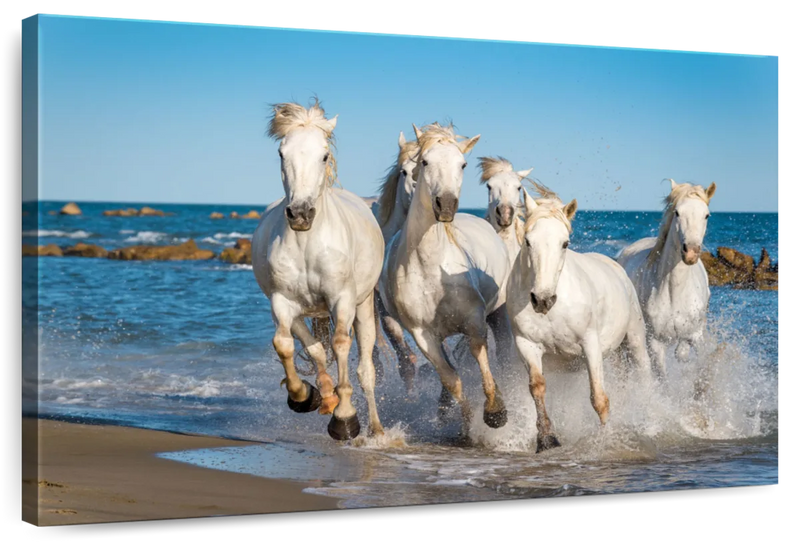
(56, 234)
(223, 235)
(146, 236)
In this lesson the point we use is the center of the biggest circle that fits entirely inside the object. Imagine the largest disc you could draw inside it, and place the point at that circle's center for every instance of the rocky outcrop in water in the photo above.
(86, 250)
(70, 209)
(187, 251)
(145, 211)
(216, 215)
(734, 268)
(238, 254)
(50, 250)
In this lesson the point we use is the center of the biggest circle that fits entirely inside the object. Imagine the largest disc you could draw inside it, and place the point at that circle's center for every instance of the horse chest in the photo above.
(677, 309)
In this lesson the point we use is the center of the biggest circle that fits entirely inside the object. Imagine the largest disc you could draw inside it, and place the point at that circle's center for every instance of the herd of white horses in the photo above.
(414, 261)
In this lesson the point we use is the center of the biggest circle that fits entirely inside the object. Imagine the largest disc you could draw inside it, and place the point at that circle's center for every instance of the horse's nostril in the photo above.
(289, 213)
(685, 248)
(438, 203)
(534, 299)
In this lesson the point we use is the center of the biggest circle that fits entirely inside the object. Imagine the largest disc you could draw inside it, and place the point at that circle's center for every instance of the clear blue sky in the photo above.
(163, 112)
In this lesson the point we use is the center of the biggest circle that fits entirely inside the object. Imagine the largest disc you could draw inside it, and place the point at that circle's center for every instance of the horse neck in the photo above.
(396, 219)
(420, 229)
(509, 236)
(670, 266)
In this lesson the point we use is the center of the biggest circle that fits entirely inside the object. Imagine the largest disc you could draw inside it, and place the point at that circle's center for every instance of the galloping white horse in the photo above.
(444, 272)
(670, 277)
(391, 210)
(317, 253)
(565, 305)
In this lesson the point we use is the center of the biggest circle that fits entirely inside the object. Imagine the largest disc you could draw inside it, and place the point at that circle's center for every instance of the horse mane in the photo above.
(678, 193)
(288, 116)
(491, 166)
(388, 190)
(547, 205)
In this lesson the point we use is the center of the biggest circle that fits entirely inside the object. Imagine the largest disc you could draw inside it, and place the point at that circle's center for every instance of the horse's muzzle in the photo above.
(300, 215)
(690, 254)
(505, 215)
(542, 305)
(445, 207)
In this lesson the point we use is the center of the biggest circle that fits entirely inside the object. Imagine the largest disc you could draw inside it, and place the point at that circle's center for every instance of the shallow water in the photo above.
(186, 346)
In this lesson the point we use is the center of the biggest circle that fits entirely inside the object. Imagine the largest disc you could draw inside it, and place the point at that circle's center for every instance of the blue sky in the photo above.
(163, 112)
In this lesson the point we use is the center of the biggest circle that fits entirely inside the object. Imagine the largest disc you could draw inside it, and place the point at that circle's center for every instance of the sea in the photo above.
(187, 347)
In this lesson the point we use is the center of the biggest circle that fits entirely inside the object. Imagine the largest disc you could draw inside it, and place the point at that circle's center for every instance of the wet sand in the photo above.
(104, 473)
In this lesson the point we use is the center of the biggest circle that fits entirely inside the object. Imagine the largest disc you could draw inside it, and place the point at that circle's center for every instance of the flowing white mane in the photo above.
(388, 190)
(491, 166)
(547, 205)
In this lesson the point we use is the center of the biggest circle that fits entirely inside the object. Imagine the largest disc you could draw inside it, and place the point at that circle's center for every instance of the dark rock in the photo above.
(86, 250)
(239, 254)
(50, 250)
(216, 215)
(188, 251)
(70, 209)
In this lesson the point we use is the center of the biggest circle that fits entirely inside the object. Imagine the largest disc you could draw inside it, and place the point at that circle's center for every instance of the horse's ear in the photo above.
(467, 145)
(530, 204)
(417, 132)
(672, 184)
(570, 209)
(333, 121)
(711, 190)
(524, 173)
(401, 141)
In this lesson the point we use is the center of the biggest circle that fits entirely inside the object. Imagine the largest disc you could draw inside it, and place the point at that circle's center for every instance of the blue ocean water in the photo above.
(186, 346)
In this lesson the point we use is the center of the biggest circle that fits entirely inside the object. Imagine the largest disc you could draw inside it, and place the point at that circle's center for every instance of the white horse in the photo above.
(504, 186)
(444, 272)
(317, 253)
(391, 211)
(670, 277)
(565, 306)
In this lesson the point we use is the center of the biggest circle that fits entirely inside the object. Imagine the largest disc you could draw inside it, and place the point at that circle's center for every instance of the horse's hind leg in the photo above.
(406, 360)
(376, 349)
(318, 352)
(503, 336)
(303, 397)
(637, 347)
(365, 336)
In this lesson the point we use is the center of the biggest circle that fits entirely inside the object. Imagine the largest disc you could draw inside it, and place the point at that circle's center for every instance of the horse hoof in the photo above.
(344, 429)
(495, 420)
(546, 442)
(312, 402)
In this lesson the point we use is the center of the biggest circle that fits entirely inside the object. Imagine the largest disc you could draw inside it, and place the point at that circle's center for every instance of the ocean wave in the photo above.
(147, 236)
(55, 234)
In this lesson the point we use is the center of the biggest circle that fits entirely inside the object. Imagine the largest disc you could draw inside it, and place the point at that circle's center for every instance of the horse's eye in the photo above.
(565, 245)
(488, 186)
(402, 173)
(527, 242)
(708, 215)
(325, 158)
(677, 214)
(280, 154)
(424, 163)
(463, 166)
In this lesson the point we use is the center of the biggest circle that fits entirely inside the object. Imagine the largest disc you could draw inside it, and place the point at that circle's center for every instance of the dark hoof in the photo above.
(344, 429)
(311, 403)
(495, 420)
(546, 442)
(447, 408)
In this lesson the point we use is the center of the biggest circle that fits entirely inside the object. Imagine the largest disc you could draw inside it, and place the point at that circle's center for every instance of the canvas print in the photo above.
(270, 270)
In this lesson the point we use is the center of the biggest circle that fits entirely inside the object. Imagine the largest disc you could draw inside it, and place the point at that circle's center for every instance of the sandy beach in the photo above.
(103, 473)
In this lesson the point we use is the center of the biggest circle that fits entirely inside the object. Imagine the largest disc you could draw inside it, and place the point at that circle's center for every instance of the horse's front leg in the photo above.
(303, 397)
(365, 337)
(658, 355)
(432, 348)
(494, 410)
(318, 353)
(531, 354)
(594, 363)
(344, 423)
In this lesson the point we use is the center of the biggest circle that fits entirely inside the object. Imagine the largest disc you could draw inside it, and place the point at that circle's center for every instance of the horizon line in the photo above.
(251, 205)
